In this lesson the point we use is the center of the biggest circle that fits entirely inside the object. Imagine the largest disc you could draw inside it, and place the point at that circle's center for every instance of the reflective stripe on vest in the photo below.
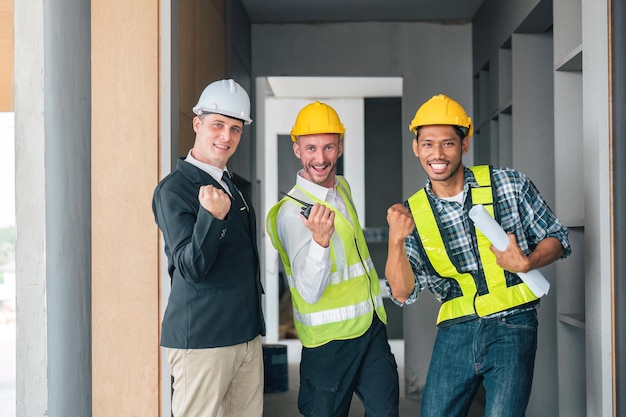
(337, 276)
(345, 309)
(337, 314)
(499, 297)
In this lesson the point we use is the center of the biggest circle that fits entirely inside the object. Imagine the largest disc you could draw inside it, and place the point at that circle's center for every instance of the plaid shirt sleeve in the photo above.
(524, 212)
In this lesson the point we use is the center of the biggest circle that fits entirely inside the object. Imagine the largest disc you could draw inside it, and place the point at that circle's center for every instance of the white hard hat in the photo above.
(225, 97)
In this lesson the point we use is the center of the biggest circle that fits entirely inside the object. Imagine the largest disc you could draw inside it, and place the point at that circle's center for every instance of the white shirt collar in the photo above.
(318, 191)
(213, 171)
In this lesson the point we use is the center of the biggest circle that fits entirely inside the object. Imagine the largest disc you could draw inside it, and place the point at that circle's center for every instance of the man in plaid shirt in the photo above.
(488, 318)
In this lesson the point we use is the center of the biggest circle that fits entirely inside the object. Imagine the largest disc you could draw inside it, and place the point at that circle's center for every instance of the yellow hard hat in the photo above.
(316, 118)
(442, 110)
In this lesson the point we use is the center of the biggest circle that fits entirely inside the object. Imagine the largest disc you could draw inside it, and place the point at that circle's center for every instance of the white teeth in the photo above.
(438, 166)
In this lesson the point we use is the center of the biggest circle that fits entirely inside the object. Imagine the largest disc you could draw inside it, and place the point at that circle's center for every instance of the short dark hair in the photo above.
(459, 130)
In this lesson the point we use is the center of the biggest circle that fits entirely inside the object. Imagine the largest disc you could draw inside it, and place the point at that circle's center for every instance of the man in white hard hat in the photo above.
(213, 322)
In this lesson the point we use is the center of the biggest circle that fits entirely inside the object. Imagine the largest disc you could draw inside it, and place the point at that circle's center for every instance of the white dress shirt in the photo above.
(310, 263)
(213, 171)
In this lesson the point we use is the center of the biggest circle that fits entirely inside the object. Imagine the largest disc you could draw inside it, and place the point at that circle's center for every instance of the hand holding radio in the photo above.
(306, 207)
(319, 219)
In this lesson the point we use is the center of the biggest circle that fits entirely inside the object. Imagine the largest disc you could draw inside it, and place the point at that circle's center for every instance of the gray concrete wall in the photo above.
(533, 154)
(498, 25)
(431, 58)
(597, 190)
(53, 211)
(493, 24)
(578, 26)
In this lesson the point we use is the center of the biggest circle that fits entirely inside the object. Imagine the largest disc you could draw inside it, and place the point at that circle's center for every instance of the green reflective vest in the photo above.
(345, 309)
(499, 295)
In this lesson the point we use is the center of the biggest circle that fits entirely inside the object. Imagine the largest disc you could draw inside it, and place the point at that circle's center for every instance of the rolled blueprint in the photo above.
(489, 227)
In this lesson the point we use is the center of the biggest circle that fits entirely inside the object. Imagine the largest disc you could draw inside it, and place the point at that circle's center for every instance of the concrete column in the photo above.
(32, 358)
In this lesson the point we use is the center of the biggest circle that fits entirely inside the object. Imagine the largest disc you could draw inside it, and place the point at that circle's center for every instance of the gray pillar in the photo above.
(53, 209)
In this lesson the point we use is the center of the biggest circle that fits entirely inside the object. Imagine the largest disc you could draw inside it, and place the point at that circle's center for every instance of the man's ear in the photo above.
(296, 150)
(415, 148)
(340, 148)
(196, 122)
(465, 145)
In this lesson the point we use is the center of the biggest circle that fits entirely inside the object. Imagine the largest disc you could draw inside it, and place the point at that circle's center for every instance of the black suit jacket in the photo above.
(215, 298)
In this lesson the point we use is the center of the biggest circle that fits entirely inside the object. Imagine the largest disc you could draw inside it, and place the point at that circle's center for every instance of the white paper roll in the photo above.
(489, 227)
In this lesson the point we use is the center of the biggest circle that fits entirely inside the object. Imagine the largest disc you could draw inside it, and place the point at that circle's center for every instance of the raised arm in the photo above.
(307, 243)
(398, 270)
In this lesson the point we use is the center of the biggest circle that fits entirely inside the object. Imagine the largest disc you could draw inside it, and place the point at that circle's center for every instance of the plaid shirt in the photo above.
(522, 211)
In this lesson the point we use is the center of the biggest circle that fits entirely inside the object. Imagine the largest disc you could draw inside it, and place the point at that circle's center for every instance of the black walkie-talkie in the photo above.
(306, 209)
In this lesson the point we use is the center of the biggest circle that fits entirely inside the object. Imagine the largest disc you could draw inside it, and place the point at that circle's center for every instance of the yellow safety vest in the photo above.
(499, 296)
(345, 309)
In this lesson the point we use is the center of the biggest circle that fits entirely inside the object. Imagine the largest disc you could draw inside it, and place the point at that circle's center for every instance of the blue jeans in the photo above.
(497, 352)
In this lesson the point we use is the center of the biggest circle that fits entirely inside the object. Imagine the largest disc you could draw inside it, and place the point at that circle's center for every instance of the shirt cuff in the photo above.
(317, 252)
(412, 298)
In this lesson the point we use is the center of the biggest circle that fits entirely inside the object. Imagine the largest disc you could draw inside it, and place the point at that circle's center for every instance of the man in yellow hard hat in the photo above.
(338, 306)
(488, 317)
(213, 323)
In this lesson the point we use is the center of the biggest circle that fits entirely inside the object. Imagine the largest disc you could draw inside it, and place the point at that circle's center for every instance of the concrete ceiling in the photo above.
(334, 87)
(303, 11)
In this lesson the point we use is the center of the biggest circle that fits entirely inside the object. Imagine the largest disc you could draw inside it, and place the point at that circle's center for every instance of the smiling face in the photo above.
(319, 154)
(217, 138)
(439, 149)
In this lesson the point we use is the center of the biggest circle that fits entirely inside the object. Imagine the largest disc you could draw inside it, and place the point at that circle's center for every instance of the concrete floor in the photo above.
(281, 404)
(284, 404)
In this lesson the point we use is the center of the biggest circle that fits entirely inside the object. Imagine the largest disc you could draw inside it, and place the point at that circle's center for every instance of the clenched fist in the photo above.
(214, 200)
(400, 222)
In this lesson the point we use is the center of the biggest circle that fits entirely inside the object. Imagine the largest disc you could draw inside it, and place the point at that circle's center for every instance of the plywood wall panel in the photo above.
(125, 240)
(6, 55)
(202, 57)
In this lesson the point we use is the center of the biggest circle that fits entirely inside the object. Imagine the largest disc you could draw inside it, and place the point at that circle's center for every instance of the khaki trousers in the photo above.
(218, 382)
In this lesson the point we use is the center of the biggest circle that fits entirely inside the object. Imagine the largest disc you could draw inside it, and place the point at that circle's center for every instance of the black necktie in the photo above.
(238, 203)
